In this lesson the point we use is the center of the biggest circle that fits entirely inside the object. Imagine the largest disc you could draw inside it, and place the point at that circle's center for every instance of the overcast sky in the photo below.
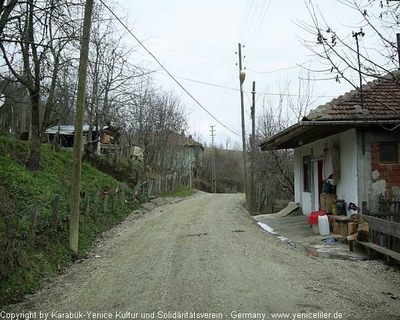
(197, 40)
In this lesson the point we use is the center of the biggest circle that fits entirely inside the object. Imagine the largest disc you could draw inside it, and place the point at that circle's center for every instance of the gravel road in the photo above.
(205, 257)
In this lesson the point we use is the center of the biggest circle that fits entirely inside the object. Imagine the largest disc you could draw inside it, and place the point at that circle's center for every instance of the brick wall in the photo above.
(388, 172)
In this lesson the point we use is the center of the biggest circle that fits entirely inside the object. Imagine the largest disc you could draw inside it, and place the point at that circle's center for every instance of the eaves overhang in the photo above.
(305, 132)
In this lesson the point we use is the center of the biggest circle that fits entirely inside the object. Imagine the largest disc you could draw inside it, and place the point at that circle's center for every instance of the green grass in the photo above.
(179, 191)
(25, 259)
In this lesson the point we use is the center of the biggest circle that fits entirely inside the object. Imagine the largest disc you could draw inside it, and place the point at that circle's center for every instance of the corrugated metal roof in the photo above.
(67, 129)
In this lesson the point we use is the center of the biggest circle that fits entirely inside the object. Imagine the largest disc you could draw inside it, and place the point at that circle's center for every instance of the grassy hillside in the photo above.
(32, 248)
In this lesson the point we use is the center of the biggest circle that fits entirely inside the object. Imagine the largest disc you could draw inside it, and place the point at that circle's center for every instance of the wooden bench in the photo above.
(382, 231)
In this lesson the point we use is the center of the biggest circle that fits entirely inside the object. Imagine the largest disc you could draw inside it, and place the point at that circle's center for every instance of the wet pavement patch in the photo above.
(333, 240)
(293, 232)
(332, 251)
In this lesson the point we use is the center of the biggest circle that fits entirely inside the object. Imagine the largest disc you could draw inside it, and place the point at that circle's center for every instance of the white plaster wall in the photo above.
(346, 186)
(364, 167)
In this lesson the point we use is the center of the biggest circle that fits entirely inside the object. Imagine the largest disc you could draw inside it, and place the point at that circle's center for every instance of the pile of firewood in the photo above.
(358, 229)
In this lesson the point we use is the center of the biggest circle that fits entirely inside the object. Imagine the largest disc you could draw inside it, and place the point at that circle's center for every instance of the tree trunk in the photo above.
(34, 159)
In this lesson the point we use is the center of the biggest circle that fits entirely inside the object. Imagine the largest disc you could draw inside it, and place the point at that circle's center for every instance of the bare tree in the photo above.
(5, 13)
(343, 54)
(34, 41)
(154, 116)
(228, 167)
(275, 170)
(13, 115)
(276, 167)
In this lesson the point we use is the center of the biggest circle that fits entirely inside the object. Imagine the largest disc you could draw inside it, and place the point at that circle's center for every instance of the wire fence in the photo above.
(42, 225)
(164, 184)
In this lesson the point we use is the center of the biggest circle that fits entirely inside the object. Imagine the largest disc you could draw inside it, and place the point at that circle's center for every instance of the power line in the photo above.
(204, 82)
(162, 66)
(253, 40)
(272, 71)
(235, 89)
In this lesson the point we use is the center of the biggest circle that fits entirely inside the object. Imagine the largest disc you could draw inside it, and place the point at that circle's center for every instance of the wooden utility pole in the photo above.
(253, 150)
(214, 174)
(78, 135)
(242, 76)
(356, 35)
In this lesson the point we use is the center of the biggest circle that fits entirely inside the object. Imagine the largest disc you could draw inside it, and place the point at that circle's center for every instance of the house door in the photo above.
(320, 183)
(317, 185)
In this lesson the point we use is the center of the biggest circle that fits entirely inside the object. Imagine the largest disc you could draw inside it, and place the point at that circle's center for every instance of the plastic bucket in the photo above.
(323, 225)
(313, 217)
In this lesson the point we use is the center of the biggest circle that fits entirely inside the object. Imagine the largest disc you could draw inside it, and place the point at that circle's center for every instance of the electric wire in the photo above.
(216, 85)
(165, 69)
(254, 39)
(236, 89)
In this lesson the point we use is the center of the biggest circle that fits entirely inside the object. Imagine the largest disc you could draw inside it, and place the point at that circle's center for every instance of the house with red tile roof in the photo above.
(349, 147)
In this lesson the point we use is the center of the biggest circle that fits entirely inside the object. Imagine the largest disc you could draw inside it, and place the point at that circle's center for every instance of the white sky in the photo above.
(198, 40)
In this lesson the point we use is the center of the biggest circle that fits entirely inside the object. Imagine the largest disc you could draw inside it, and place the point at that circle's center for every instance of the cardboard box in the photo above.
(335, 226)
(343, 228)
(326, 201)
(352, 228)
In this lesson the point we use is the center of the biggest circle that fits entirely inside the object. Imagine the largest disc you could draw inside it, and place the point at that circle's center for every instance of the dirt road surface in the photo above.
(205, 257)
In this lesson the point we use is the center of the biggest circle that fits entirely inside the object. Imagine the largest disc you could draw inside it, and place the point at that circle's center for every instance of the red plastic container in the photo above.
(313, 217)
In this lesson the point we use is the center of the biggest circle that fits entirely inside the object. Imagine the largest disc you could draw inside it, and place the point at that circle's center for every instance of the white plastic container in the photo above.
(323, 225)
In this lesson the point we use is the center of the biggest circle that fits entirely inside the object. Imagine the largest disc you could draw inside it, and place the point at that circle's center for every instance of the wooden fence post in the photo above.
(114, 200)
(123, 187)
(150, 188)
(105, 203)
(56, 215)
(34, 217)
(96, 203)
(174, 181)
(87, 204)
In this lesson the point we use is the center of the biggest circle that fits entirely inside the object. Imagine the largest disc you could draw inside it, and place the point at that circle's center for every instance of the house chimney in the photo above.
(398, 48)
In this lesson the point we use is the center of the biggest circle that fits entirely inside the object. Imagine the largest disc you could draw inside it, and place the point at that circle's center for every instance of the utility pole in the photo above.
(356, 35)
(398, 49)
(242, 76)
(78, 135)
(253, 150)
(214, 175)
